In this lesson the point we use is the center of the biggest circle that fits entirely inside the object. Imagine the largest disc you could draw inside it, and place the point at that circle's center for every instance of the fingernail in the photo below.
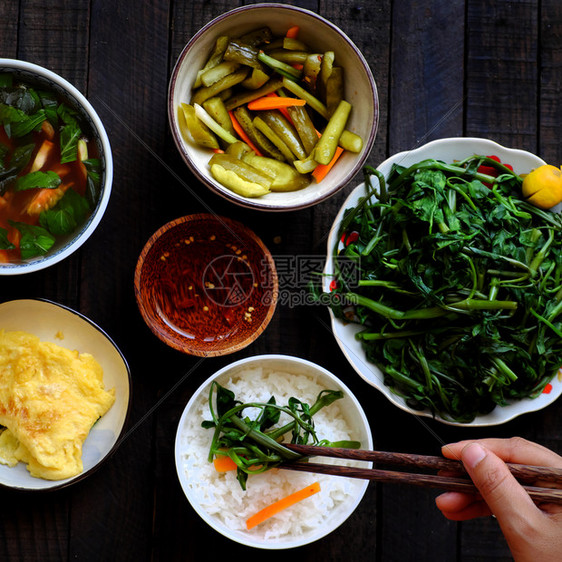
(473, 454)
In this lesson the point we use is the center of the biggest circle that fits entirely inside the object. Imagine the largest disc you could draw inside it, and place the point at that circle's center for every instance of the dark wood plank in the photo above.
(426, 74)
(34, 527)
(127, 83)
(482, 540)
(55, 35)
(9, 18)
(189, 17)
(502, 71)
(550, 81)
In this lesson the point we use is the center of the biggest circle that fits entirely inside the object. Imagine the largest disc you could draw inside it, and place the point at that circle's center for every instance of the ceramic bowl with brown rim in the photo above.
(206, 285)
(320, 36)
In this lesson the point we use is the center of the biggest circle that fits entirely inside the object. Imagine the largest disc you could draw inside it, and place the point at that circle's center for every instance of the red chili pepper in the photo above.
(488, 170)
(348, 239)
(333, 285)
(491, 171)
(547, 389)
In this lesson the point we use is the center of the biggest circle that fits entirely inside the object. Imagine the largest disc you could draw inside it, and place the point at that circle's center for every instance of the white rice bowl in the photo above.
(218, 497)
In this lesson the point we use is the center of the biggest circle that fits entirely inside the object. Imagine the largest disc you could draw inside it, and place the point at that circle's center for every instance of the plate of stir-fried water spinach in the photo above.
(445, 285)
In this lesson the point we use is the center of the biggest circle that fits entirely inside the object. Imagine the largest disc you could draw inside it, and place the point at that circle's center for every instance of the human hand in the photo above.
(533, 532)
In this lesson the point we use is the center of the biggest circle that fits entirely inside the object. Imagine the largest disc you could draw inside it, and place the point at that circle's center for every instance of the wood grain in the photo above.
(501, 73)
(426, 73)
(524, 473)
(490, 69)
(9, 19)
(550, 81)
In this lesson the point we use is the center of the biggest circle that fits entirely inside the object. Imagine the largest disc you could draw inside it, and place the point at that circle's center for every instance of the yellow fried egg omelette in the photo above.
(50, 397)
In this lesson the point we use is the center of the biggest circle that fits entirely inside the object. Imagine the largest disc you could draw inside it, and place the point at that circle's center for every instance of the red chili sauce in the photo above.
(210, 282)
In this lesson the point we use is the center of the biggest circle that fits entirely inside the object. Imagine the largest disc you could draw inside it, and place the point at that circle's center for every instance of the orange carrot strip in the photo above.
(14, 236)
(45, 199)
(319, 173)
(242, 133)
(62, 170)
(283, 110)
(218, 150)
(274, 102)
(223, 463)
(83, 171)
(281, 504)
(293, 32)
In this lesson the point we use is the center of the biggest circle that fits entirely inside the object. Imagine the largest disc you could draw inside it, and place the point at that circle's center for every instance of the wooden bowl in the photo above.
(206, 285)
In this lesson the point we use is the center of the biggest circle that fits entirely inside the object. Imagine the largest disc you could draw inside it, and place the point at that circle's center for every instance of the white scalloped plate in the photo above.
(448, 150)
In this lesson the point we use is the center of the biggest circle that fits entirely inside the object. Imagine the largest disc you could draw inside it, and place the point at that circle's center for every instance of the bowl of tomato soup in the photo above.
(56, 168)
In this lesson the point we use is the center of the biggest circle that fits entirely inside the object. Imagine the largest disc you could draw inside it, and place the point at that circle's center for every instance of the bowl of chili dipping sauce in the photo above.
(206, 285)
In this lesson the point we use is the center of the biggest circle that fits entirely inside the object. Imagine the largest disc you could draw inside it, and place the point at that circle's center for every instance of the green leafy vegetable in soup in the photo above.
(49, 171)
(459, 285)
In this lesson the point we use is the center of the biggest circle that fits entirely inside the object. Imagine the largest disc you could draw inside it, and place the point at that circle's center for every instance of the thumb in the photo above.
(505, 497)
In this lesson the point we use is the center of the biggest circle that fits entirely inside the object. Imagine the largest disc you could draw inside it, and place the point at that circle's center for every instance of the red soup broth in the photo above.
(26, 206)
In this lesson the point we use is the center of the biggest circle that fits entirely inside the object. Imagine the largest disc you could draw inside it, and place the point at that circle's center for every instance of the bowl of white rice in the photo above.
(218, 497)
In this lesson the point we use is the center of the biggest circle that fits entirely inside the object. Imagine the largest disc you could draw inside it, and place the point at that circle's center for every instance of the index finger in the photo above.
(515, 450)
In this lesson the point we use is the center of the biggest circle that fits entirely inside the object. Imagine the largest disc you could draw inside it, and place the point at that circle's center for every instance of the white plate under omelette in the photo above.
(64, 327)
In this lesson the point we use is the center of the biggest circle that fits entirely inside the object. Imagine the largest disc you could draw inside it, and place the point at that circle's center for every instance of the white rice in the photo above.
(220, 494)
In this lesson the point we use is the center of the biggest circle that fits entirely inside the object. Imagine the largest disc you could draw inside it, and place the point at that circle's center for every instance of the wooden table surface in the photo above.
(443, 68)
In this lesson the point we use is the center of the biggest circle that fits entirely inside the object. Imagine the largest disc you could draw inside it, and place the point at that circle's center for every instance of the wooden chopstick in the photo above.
(523, 472)
(451, 483)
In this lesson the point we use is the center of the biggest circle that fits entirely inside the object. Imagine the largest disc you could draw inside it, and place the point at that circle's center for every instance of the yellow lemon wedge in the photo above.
(543, 186)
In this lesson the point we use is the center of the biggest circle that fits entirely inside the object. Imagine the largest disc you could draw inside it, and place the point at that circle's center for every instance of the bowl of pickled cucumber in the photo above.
(273, 107)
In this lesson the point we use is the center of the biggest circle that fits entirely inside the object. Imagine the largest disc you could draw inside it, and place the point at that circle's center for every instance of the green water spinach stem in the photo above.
(429, 312)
